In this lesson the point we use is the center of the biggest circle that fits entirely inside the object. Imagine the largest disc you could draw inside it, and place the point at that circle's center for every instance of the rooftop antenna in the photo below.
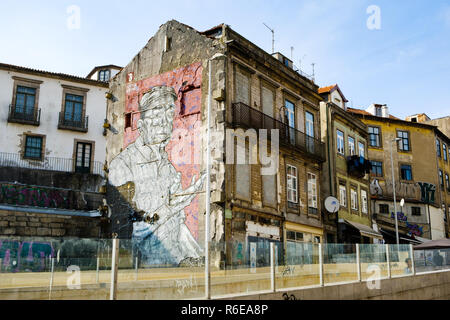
(273, 37)
(300, 61)
(314, 74)
(292, 53)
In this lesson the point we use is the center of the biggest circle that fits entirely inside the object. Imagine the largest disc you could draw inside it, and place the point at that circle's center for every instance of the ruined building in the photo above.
(157, 145)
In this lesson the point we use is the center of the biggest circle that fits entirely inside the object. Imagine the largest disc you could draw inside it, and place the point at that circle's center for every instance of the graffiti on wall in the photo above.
(24, 255)
(413, 229)
(167, 109)
(34, 196)
(422, 191)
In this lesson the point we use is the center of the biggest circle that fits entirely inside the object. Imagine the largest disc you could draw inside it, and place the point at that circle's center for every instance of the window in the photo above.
(361, 150)
(33, 147)
(441, 178)
(447, 181)
(378, 111)
(340, 142)
(73, 110)
(292, 191)
(312, 192)
(104, 75)
(377, 168)
(444, 151)
(405, 172)
(242, 88)
(342, 195)
(351, 146)
(269, 189)
(384, 208)
(25, 100)
(438, 148)
(83, 160)
(309, 124)
(354, 199)
(364, 206)
(290, 117)
(294, 236)
(415, 211)
(374, 137)
(403, 144)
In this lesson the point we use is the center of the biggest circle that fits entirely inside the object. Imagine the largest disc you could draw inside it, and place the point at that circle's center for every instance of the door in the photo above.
(83, 160)
(309, 126)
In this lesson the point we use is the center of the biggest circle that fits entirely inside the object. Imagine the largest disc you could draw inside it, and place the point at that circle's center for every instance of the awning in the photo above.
(62, 212)
(365, 231)
(411, 239)
(435, 244)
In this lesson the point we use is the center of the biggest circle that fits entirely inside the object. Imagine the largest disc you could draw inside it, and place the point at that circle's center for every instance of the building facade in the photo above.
(53, 149)
(250, 91)
(348, 169)
(416, 176)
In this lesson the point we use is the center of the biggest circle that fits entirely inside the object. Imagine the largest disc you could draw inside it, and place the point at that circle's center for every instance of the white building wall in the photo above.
(59, 143)
(437, 223)
(335, 95)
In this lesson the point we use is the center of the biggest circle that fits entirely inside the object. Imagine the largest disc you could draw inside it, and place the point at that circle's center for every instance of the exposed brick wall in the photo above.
(26, 224)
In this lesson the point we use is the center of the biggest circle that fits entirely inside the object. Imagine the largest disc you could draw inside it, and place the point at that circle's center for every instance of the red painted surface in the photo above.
(186, 82)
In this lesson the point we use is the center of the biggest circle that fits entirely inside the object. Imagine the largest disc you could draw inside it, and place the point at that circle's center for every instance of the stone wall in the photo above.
(26, 224)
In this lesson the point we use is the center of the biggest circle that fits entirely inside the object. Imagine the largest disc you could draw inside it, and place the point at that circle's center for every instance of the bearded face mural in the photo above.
(159, 193)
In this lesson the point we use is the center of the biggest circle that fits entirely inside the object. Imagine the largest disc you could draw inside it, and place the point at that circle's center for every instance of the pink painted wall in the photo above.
(186, 82)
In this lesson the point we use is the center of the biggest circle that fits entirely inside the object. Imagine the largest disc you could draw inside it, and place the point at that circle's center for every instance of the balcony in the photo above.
(70, 124)
(14, 160)
(250, 118)
(358, 166)
(23, 117)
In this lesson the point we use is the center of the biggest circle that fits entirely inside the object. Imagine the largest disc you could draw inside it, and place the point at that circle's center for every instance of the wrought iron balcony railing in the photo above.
(14, 160)
(21, 116)
(248, 117)
(71, 124)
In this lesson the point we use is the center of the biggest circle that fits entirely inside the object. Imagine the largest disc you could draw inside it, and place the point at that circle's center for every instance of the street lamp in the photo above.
(208, 181)
(393, 189)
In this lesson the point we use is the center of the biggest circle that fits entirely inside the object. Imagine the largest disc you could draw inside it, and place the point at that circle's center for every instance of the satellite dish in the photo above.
(332, 204)
(402, 203)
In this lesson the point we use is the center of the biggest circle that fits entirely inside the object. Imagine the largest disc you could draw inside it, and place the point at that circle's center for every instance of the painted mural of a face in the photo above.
(158, 188)
(157, 111)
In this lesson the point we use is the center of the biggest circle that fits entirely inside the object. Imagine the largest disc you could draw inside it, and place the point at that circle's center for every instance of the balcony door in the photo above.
(25, 102)
(83, 160)
(73, 111)
(309, 128)
(290, 118)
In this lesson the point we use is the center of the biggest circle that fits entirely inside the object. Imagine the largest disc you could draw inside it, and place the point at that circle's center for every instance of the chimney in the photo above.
(384, 111)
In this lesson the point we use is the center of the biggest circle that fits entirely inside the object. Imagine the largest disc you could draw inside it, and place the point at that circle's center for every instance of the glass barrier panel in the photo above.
(246, 267)
(147, 271)
(373, 261)
(400, 259)
(431, 260)
(301, 267)
(339, 263)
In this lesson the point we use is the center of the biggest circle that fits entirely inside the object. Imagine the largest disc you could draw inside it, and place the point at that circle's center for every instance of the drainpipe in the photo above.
(329, 124)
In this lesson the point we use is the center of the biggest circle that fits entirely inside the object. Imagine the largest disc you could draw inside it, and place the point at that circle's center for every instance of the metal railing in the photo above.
(24, 117)
(15, 160)
(248, 117)
(70, 124)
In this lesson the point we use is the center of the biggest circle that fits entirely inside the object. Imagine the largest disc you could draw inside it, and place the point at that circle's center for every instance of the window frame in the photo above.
(354, 198)
(438, 148)
(75, 154)
(380, 146)
(382, 169)
(415, 214)
(103, 71)
(290, 186)
(444, 152)
(447, 181)
(350, 153)
(360, 143)
(401, 142)
(400, 172)
(315, 203)
(29, 83)
(24, 146)
(342, 201)
(337, 142)
(441, 178)
(364, 202)
(384, 206)
(77, 91)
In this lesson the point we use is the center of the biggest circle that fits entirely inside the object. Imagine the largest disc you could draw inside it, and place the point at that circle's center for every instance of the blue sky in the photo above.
(405, 64)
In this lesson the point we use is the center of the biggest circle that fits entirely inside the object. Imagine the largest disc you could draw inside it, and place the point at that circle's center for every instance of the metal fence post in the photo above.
(136, 269)
(51, 279)
(413, 265)
(98, 269)
(114, 269)
(272, 266)
(322, 282)
(358, 262)
(388, 261)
